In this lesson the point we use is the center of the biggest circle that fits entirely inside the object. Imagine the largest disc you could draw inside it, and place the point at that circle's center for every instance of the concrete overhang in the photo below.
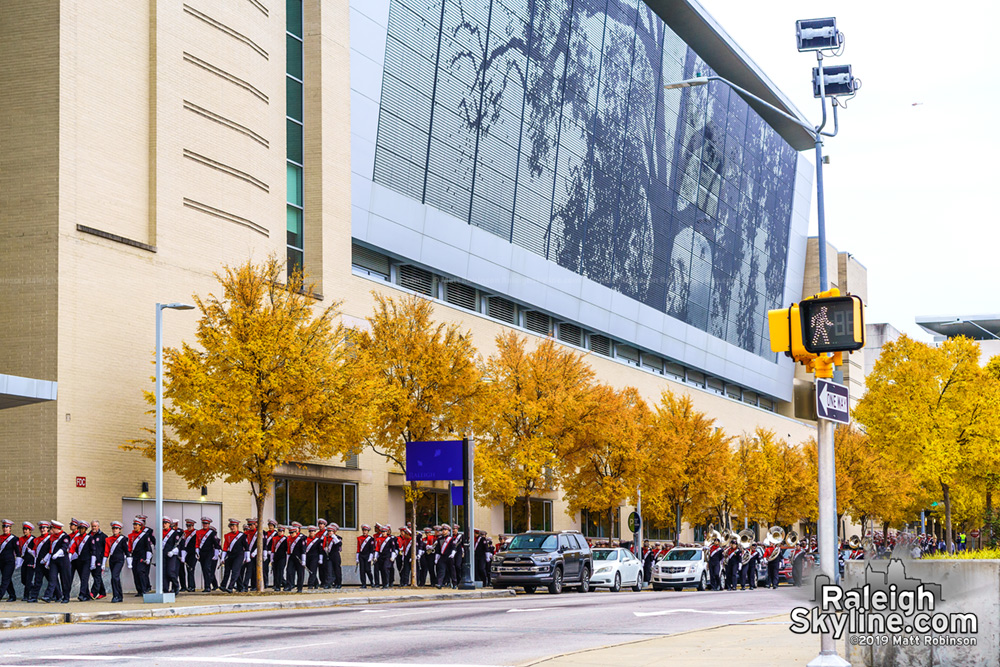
(701, 32)
(976, 327)
(16, 391)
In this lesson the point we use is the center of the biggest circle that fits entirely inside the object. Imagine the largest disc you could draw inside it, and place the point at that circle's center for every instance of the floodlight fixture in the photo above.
(837, 80)
(818, 34)
(687, 83)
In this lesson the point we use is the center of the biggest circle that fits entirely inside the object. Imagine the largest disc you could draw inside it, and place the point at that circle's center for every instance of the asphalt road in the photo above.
(478, 632)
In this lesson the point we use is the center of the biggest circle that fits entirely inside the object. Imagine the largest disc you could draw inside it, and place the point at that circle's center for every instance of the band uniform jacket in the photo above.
(172, 540)
(26, 551)
(115, 548)
(295, 546)
(9, 548)
(141, 548)
(234, 546)
(189, 547)
(59, 546)
(366, 548)
(207, 544)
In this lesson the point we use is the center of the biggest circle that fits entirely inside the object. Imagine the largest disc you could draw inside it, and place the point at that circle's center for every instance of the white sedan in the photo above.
(614, 568)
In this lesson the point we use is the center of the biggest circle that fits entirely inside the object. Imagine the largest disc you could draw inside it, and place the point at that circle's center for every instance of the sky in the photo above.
(913, 171)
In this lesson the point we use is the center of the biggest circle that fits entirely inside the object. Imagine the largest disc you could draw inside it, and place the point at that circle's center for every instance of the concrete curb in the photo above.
(172, 612)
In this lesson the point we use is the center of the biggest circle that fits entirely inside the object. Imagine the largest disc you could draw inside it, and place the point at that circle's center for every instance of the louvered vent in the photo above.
(570, 333)
(538, 322)
(674, 370)
(600, 344)
(370, 260)
(460, 294)
(416, 279)
(502, 309)
(627, 353)
(351, 461)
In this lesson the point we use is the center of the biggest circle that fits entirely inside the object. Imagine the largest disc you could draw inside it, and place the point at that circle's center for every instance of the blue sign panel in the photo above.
(456, 495)
(437, 460)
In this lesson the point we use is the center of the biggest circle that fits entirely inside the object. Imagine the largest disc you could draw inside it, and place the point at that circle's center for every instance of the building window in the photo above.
(515, 517)
(307, 502)
(294, 131)
(600, 524)
(433, 510)
(658, 528)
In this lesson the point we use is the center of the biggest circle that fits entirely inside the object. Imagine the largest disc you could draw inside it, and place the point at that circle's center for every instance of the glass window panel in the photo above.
(293, 138)
(294, 185)
(351, 507)
(293, 99)
(331, 502)
(293, 56)
(281, 501)
(293, 17)
(294, 227)
(301, 501)
(294, 260)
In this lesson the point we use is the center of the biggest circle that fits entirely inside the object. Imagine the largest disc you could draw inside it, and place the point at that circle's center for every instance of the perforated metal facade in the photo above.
(545, 123)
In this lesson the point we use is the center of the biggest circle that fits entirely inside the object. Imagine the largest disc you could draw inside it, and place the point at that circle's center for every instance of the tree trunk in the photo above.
(413, 537)
(677, 522)
(947, 515)
(259, 564)
(527, 511)
(989, 520)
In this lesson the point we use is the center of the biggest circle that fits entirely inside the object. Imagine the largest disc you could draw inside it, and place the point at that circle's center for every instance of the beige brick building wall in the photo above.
(142, 147)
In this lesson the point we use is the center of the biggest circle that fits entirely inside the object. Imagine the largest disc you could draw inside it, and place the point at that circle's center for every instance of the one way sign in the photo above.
(833, 401)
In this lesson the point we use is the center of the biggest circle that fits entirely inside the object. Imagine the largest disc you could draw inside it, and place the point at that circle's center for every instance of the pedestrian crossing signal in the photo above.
(832, 324)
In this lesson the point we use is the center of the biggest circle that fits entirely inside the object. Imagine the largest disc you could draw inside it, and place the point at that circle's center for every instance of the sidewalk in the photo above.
(763, 642)
(20, 615)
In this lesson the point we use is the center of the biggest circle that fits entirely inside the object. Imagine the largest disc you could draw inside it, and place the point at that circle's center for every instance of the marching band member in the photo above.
(295, 548)
(189, 556)
(279, 556)
(715, 555)
(171, 556)
(208, 548)
(404, 561)
(366, 551)
(444, 559)
(314, 557)
(97, 542)
(9, 555)
(41, 557)
(115, 553)
(234, 548)
(60, 574)
(26, 557)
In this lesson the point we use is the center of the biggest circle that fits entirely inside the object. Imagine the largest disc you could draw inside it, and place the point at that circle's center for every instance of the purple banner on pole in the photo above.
(456, 495)
(435, 460)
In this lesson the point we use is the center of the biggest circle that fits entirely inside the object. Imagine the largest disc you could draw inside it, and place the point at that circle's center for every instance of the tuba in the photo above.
(746, 538)
(792, 539)
(714, 538)
(854, 542)
(775, 537)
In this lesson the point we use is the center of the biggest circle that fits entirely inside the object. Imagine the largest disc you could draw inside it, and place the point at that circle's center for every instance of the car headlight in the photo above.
(606, 568)
(691, 568)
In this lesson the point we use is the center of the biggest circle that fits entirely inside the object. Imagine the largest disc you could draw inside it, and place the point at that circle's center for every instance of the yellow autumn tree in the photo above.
(268, 383)
(536, 401)
(870, 483)
(935, 410)
(773, 481)
(686, 458)
(721, 497)
(426, 376)
(600, 468)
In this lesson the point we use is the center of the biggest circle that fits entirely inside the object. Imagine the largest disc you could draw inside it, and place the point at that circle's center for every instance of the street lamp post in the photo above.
(826, 460)
(159, 595)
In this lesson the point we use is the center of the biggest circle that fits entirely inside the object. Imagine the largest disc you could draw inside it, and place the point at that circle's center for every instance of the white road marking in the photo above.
(687, 611)
(280, 648)
(240, 661)
(514, 611)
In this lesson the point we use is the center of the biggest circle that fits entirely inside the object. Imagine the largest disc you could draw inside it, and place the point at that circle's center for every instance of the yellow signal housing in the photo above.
(785, 327)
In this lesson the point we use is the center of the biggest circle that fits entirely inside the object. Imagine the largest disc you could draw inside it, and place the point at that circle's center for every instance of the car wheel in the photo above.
(555, 588)
(703, 583)
(617, 586)
(529, 589)
(637, 587)
(585, 580)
